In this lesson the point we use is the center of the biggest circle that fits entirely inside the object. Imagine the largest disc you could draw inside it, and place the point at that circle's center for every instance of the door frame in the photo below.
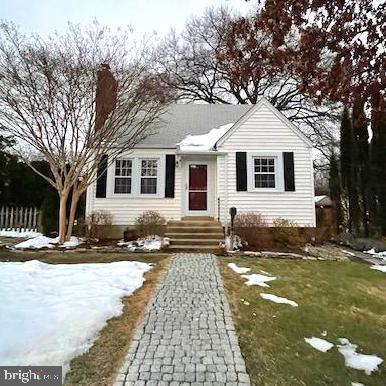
(210, 163)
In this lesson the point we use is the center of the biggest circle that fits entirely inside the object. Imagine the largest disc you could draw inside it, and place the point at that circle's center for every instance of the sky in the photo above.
(145, 16)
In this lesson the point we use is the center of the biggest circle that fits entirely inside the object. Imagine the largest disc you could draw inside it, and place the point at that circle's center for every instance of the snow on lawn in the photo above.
(151, 243)
(278, 299)
(367, 363)
(381, 268)
(238, 269)
(47, 242)
(204, 142)
(50, 313)
(257, 279)
(319, 344)
(19, 233)
(379, 255)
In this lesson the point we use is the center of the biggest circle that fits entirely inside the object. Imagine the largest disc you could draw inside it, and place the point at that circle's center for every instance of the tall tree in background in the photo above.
(361, 164)
(378, 164)
(336, 190)
(48, 102)
(218, 58)
(348, 169)
(5, 159)
(341, 58)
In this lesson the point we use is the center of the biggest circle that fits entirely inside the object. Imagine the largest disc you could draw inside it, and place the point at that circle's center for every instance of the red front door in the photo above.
(198, 187)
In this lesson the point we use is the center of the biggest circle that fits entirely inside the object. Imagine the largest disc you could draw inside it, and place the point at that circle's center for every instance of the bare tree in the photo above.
(212, 60)
(59, 96)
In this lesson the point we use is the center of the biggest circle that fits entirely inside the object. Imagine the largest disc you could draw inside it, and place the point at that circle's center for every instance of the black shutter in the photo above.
(101, 177)
(241, 171)
(289, 172)
(170, 175)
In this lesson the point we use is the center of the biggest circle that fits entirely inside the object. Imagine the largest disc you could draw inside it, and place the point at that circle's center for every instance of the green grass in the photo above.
(345, 299)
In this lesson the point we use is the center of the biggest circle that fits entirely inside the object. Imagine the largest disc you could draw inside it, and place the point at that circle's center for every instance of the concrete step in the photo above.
(194, 223)
(191, 235)
(193, 229)
(193, 248)
(207, 242)
(197, 218)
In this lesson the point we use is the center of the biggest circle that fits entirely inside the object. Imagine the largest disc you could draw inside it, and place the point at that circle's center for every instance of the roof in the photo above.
(181, 120)
(323, 200)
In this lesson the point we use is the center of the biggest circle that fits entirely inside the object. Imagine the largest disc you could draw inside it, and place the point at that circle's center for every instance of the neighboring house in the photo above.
(254, 159)
(325, 213)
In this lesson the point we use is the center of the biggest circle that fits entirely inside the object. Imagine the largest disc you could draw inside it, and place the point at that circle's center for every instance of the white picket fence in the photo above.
(26, 218)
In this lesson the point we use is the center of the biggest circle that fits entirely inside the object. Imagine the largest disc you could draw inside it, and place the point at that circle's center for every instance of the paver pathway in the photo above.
(187, 336)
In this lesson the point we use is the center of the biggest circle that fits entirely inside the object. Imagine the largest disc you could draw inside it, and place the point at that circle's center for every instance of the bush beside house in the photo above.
(256, 233)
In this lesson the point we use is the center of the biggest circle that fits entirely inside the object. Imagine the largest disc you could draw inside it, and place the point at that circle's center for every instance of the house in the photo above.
(325, 214)
(208, 158)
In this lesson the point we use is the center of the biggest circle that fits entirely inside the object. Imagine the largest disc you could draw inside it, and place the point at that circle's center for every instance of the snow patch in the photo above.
(204, 142)
(47, 242)
(278, 299)
(238, 269)
(151, 243)
(319, 344)
(237, 244)
(19, 233)
(357, 384)
(366, 363)
(257, 279)
(51, 313)
(378, 255)
(381, 268)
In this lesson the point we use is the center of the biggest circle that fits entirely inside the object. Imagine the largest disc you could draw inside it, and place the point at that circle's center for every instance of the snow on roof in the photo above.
(204, 142)
(181, 120)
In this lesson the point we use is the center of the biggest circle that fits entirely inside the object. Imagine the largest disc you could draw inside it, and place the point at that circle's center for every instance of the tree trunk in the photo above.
(74, 204)
(62, 216)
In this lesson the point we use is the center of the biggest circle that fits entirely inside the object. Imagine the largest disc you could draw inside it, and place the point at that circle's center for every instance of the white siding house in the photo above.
(261, 163)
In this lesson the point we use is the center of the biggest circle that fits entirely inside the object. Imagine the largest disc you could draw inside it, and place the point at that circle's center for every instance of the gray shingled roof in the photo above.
(181, 120)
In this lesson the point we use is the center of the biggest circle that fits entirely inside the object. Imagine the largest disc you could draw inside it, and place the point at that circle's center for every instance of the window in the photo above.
(123, 176)
(149, 174)
(264, 172)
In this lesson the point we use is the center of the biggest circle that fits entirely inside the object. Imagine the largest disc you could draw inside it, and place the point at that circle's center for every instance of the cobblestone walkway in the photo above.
(187, 336)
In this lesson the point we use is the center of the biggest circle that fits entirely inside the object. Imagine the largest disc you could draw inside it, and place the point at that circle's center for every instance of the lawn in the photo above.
(99, 365)
(74, 257)
(344, 299)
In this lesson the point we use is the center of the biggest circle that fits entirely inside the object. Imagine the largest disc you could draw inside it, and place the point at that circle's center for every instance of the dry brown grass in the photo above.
(100, 364)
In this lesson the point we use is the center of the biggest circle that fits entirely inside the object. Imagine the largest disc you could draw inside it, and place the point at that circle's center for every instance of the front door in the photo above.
(198, 188)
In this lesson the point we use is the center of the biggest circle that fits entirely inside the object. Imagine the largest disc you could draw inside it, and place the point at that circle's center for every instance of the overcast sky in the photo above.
(145, 16)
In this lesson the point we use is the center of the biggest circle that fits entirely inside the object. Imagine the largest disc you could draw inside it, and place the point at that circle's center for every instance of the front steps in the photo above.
(195, 234)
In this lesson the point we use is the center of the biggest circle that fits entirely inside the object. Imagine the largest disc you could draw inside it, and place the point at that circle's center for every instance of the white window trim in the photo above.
(132, 176)
(136, 177)
(279, 175)
(139, 177)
